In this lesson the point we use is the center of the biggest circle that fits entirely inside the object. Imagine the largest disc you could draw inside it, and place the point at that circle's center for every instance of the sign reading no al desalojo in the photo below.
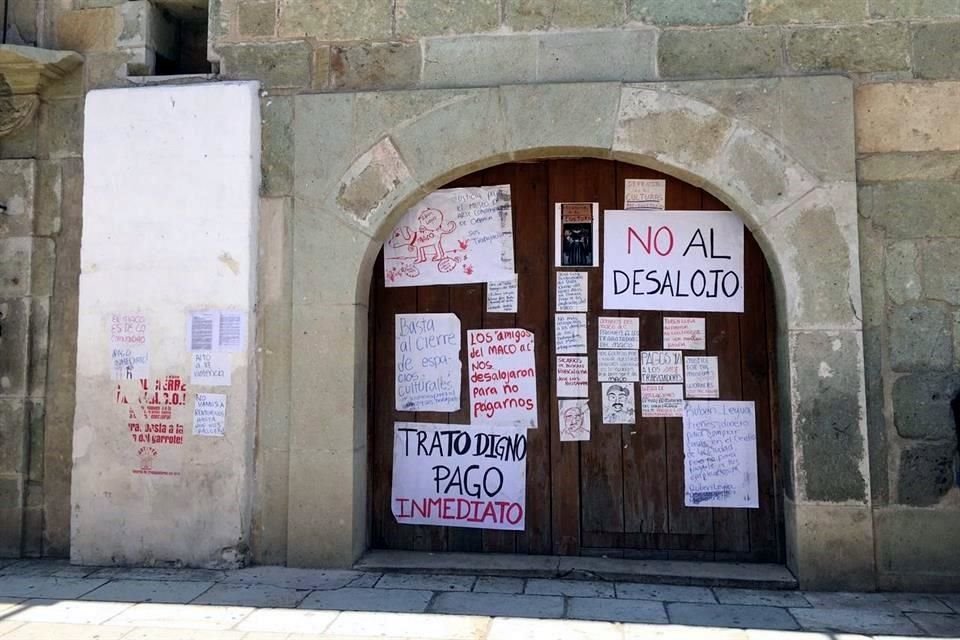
(673, 261)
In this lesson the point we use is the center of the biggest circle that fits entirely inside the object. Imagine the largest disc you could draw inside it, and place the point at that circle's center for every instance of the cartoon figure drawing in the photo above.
(428, 235)
(618, 407)
(573, 422)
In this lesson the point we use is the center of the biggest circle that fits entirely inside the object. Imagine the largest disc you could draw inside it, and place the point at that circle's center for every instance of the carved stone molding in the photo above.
(24, 72)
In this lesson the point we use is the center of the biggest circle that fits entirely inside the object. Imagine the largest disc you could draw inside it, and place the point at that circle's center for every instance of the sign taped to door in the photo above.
(503, 377)
(460, 475)
(720, 454)
(428, 367)
(577, 227)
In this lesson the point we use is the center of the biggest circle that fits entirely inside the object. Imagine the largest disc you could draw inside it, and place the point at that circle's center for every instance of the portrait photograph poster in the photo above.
(577, 234)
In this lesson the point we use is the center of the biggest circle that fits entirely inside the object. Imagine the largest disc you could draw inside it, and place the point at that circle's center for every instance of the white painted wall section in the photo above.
(171, 181)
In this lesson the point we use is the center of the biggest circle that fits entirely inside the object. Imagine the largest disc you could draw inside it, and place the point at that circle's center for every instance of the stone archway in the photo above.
(739, 140)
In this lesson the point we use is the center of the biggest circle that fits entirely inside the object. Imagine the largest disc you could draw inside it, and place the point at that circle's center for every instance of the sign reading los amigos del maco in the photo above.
(673, 261)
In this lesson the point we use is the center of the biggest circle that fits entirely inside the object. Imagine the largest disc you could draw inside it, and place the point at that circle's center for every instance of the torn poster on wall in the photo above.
(502, 296)
(720, 454)
(577, 227)
(154, 418)
(702, 375)
(645, 194)
(673, 260)
(572, 291)
(619, 405)
(211, 368)
(574, 420)
(427, 357)
(572, 376)
(217, 330)
(503, 377)
(210, 414)
(661, 400)
(685, 333)
(460, 476)
(570, 332)
(618, 333)
(129, 349)
(453, 236)
(618, 365)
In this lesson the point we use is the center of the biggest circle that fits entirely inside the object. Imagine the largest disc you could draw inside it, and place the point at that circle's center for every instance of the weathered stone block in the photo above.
(876, 421)
(277, 65)
(17, 188)
(42, 264)
(13, 435)
(694, 12)
(492, 60)
(257, 18)
(371, 180)
(805, 105)
(325, 21)
(925, 473)
(388, 65)
(936, 50)
(339, 282)
(878, 47)
(914, 8)
(921, 337)
(921, 405)
(538, 15)
(431, 18)
(321, 67)
(788, 11)
(915, 548)
(584, 56)
(276, 150)
(907, 117)
(107, 70)
(49, 193)
(15, 257)
(831, 547)
(903, 272)
(22, 143)
(35, 417)
(872, 277)
(718, 53)
(934, 208)
(61, 128)
(88, 30)
(887, 167)
(941, 270)
(11, 493)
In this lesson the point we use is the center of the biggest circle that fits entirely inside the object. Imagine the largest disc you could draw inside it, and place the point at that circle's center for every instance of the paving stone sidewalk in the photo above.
(56, 601)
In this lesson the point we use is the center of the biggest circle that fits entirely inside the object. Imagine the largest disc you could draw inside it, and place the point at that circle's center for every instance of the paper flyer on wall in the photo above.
(720, 454)
(661, 400)
(618, 333)
(577, 232)
(210, 415)
(572, 291)
(645, 194)
(661, 367)
(217, 330)
(570, 333)
(685, 333)
(129, 346)
(574, 420)
(427, 361)
(502, 295)
(619, 403)
(503, 377)
(572, 376)
(211, 368)
(702, 376)
(618, 365)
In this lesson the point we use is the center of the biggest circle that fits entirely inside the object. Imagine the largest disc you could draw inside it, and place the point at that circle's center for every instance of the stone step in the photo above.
(707, 574)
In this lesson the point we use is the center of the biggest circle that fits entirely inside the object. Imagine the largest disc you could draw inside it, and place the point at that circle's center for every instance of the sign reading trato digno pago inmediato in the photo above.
(673, 261)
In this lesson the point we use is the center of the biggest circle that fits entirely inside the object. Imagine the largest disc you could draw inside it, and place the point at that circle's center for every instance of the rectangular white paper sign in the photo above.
(453, 236)
(685, 333)
(702, 375)
(427, 358)
(577, 227)
(572, 291)
(570, 332)
(645, 194)
(210, 368)
(661, 400)
(661, 367)
(217, 330)
(460, 475)
(572, 376)
(619, 403)
(618, 365)
(574, 420)
(210, 414)
(130, 362)
(673, 261)
(502, 296)
(618, 333)
(720, 454)
(503, 377)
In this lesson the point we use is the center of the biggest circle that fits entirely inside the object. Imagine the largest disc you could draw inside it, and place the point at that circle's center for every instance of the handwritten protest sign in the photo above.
(720, 454)
(661, 367)
(685, 333)
(702, 376)
(570, 332)
(460, 475)
(645, 194)
(453, 236)
(572, 291)
(618, 333)
(427, 362)
(502, 296)
(572, 376)
(129, 350)
(618, 365)
(503, 377)
(210, 368)
(210, 414)
(574, 420)
(673, 260)
(661, 400)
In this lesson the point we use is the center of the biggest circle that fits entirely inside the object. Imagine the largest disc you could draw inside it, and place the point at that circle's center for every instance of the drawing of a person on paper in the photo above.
(618, 404)
(574, 421)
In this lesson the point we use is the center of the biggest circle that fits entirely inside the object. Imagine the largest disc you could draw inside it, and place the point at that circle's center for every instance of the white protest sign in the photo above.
(685, 333)
(217, 330)
(129, 351)
(210, 368)
(210, 414)
(427, 360)
(661, 367)
(645, 194)
(570, 332)
(619, 404)
(128, 330)
(460, 475)
(661, 400)
(618, 365)
(574, 420)
(572, 291)
(673, 261)
(572, 376)
(720, 454)
(502, 296)
(453, 236)
(702, 375)
(618, 333)
(503, 377)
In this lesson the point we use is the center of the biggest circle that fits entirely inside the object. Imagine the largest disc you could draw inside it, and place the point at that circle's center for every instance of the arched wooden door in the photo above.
(621, 492)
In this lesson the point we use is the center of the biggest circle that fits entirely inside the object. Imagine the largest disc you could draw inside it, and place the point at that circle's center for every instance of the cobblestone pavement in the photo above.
(52, 600)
